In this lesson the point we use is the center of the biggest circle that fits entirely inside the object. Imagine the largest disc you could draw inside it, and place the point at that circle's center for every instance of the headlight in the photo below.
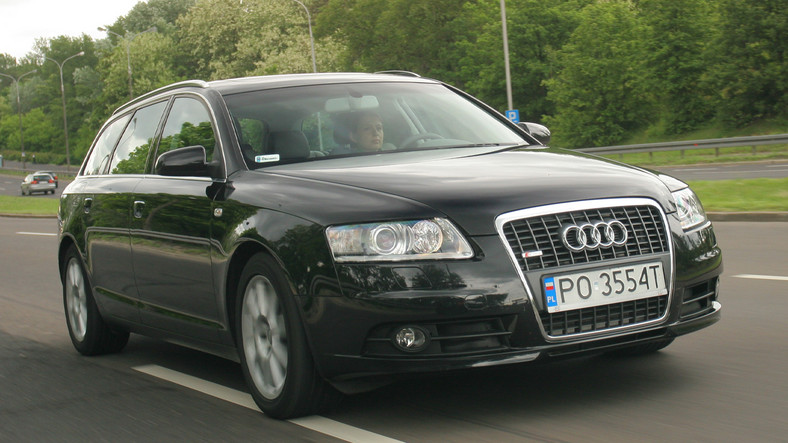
(432, 239)
(690, 210)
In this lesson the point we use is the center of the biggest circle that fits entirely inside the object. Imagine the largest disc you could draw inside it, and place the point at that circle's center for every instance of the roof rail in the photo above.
(398, 72)
(194, 83)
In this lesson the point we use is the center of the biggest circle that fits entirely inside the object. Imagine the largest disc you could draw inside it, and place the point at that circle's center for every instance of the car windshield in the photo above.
(287, 125)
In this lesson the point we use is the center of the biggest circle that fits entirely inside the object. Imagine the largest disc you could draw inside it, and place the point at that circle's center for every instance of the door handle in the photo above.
(88, 203)
(139, 205)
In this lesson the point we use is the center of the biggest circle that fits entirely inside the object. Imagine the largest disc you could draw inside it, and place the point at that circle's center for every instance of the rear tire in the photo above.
(275, 357)
(89, 333)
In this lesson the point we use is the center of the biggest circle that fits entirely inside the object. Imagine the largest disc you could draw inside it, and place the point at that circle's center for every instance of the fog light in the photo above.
(411, 339)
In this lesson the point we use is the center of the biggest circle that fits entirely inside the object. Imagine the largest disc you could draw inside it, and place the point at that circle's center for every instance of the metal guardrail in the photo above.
(756, 140)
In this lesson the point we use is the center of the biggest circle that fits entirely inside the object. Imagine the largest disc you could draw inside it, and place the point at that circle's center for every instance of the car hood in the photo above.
(472, 190)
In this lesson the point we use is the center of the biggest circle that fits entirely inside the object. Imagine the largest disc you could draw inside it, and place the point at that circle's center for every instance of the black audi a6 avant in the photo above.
(332, 229)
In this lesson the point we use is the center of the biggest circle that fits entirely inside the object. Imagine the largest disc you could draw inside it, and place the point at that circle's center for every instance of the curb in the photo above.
(28, 215)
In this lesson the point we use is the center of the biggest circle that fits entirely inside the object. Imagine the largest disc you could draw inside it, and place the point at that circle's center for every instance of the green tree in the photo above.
(751, 70)
(600, 89)
(152, 67)
(59, 49)
(40, 134)
(163, 16)
(231, 39)
(677, 43)
(535, 28)
(395, 34)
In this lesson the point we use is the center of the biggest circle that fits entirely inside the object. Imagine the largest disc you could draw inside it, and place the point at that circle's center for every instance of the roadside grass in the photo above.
(704, 156)
(28, 205)
(751, 195)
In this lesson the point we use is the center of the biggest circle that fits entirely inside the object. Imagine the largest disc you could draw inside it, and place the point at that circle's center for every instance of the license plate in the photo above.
(598, 287)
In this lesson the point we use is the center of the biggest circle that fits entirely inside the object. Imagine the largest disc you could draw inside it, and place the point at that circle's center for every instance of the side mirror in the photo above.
(183, 162)
(539, 132)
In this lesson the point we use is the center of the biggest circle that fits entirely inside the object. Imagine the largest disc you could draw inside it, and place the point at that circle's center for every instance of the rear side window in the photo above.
(132, 151)
(99, 156)
(188, 124)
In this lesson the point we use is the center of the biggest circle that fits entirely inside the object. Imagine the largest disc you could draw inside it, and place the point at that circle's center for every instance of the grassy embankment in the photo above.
(28, 205)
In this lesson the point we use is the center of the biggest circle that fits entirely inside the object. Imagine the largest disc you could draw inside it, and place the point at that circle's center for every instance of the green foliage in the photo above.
(162, 14)
(676, 45)
(751, 70)
(600, 91)
(536, 28)
(40, 133)
(598, 72)
(251, 38)
(152, 67)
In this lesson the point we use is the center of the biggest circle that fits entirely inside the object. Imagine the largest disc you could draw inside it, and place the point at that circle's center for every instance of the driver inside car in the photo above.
(365, 134)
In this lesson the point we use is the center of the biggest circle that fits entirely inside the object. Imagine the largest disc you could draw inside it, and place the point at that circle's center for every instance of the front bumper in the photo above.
(359, 366)
(482, 314)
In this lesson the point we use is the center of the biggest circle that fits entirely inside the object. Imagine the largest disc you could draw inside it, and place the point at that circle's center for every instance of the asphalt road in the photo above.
(10, 185)
(724, 383)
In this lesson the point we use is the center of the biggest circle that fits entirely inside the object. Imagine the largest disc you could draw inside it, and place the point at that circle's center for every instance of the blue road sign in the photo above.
(513, 115)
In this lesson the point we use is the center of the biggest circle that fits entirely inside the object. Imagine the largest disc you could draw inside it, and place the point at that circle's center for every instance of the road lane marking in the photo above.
(37, 233)
(315, 422)
(762, 277)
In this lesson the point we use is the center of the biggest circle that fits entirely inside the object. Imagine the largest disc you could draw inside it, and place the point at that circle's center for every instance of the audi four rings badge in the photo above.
(591, 236)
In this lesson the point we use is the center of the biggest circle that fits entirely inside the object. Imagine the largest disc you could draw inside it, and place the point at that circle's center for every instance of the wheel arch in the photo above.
(240, 257)
(65, 244)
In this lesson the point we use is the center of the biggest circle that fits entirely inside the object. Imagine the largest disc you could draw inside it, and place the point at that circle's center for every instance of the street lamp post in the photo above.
(311, 38)
(128, 40)
(506, 55)
(63, 96)
(19, 111)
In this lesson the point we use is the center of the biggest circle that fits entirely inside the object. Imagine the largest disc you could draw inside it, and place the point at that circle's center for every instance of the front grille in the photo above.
(599, 318)
(645, 228)
(533, 237)
(447, 339)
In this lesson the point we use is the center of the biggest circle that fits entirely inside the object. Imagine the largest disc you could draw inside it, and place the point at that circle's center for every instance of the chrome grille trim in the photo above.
(542, 233)
(537, 228)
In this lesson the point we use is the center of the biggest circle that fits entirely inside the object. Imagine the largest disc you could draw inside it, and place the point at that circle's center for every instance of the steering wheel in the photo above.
(416, 137)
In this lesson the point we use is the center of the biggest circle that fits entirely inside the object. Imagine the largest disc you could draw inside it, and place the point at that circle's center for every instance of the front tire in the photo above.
(89, 333)
(272, 346)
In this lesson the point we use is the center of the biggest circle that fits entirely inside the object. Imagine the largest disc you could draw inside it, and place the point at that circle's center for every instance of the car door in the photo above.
(171, 232)
(107, 207)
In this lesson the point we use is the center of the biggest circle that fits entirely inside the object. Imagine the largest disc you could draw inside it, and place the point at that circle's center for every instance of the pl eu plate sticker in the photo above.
(549, 291)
